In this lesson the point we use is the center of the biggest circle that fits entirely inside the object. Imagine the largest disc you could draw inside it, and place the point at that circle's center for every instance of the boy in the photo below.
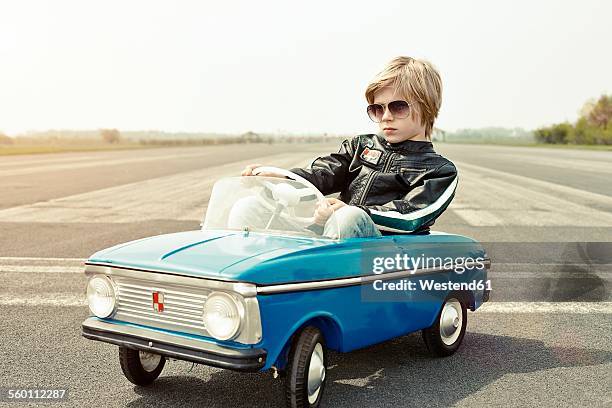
(393, 181)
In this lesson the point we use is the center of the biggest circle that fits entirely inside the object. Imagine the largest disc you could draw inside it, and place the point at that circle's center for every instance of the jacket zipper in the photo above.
(388, 164)
(371, 177)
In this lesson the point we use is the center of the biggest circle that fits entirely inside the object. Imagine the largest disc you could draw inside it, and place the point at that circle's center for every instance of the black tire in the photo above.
(133, 369)
(439, 344)
(310, 342)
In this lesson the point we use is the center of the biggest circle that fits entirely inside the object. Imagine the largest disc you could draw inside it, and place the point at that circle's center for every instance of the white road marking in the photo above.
(589, 272)
(593, 165)
(54, 299)
(20, 166)
(498, 269)
(550, 270)
(180, 196)
(588, 196)
(69, 265)
(40, 269)
(36, 259)
(15, 264)
(524, 264)
(487, 197)
(23, 163)
(95, 163)
(547, 307)
(60, 299)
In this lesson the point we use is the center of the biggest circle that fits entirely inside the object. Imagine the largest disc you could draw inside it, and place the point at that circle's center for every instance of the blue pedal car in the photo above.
(261, 286)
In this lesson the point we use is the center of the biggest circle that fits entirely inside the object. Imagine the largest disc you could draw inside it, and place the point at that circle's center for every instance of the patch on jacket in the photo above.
(371, 155)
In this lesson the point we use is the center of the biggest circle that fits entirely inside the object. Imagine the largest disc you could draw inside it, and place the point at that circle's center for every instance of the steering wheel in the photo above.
(287, 196)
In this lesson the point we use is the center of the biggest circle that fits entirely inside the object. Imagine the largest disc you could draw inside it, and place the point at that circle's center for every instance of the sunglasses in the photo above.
(399, 110)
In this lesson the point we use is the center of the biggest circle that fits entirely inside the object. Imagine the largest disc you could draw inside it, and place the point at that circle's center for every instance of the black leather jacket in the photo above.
(403, 186)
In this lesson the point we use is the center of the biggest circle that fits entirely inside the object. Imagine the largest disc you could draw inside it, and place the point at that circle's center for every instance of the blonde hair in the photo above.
(418, 81)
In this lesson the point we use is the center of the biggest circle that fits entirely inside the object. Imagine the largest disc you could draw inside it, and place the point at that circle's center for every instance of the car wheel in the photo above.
(140, 367)
(444, 337)
(306, 369)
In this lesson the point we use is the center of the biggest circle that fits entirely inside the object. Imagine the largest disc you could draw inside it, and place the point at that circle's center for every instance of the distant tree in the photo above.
(5, 140)
(542, 135)
(110, 135)
(599, 114)
(594, 126)
(586, 133)
(251, 137)
(558, 133)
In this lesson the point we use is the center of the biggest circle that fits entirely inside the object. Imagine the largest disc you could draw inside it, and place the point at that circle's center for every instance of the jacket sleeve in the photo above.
(330, 173)
(426, 200)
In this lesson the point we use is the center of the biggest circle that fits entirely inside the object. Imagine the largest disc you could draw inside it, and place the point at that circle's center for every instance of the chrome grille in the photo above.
(183, 305)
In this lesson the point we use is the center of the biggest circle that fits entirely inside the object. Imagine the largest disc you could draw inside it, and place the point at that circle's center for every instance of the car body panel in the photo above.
(269, 259)
(201, 254)
(361, 317)
(358, 317)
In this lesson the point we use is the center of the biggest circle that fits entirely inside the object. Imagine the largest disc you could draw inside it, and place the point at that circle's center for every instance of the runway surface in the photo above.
(545, 215)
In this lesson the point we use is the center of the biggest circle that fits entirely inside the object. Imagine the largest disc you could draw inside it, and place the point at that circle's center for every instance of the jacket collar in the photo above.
(407, 145)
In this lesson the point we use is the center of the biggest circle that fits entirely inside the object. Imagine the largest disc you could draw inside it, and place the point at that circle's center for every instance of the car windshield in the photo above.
(267, 204)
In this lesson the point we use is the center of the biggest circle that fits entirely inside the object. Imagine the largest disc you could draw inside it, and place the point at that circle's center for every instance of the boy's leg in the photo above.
(351, 222)
(247, 211)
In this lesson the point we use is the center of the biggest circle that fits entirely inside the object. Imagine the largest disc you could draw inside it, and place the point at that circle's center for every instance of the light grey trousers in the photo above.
(347, 222)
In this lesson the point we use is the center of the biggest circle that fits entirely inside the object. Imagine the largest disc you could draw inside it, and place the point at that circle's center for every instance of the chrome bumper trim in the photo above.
(250, 290)
(243, 288)
(182, 348)
(132, 307)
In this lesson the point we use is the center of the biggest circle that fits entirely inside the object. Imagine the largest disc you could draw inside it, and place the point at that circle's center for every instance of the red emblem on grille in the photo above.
(158, 301)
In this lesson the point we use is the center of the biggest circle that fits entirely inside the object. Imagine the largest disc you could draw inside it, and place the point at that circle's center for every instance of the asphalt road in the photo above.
(545, 216)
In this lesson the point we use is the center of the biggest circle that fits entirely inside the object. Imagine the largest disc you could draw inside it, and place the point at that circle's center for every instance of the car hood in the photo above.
(202, 253)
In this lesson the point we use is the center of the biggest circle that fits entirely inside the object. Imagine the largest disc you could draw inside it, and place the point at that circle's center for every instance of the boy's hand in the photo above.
(326, 208)
(248, 171)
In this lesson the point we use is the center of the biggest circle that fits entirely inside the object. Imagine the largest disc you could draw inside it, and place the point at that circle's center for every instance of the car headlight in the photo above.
(222, 315)
(101, 296)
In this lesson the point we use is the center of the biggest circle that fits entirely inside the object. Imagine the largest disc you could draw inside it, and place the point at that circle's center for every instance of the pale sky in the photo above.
(285, 66)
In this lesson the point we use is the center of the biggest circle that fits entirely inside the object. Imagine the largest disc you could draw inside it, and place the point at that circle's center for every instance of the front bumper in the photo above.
(181, 348)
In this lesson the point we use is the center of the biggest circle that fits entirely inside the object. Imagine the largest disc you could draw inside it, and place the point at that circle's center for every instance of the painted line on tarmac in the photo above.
(498, 270)
(35, 259)
(145, 200)
(527, 264)
(23, 259)
(65, 300)
(41, 265)
(558, 188)
(547, 307)
(41, 269)
(98, 163)
(56, 299)
(499, 198)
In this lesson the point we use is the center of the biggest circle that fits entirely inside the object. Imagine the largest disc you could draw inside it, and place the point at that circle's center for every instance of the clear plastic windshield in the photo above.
(268, 204)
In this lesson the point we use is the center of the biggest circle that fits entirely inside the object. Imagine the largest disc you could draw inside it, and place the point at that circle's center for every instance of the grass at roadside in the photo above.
(22, 149)
(573, 146)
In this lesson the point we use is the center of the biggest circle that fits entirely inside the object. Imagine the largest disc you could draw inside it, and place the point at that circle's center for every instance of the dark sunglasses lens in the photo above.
(375, 112)
(399, 109)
